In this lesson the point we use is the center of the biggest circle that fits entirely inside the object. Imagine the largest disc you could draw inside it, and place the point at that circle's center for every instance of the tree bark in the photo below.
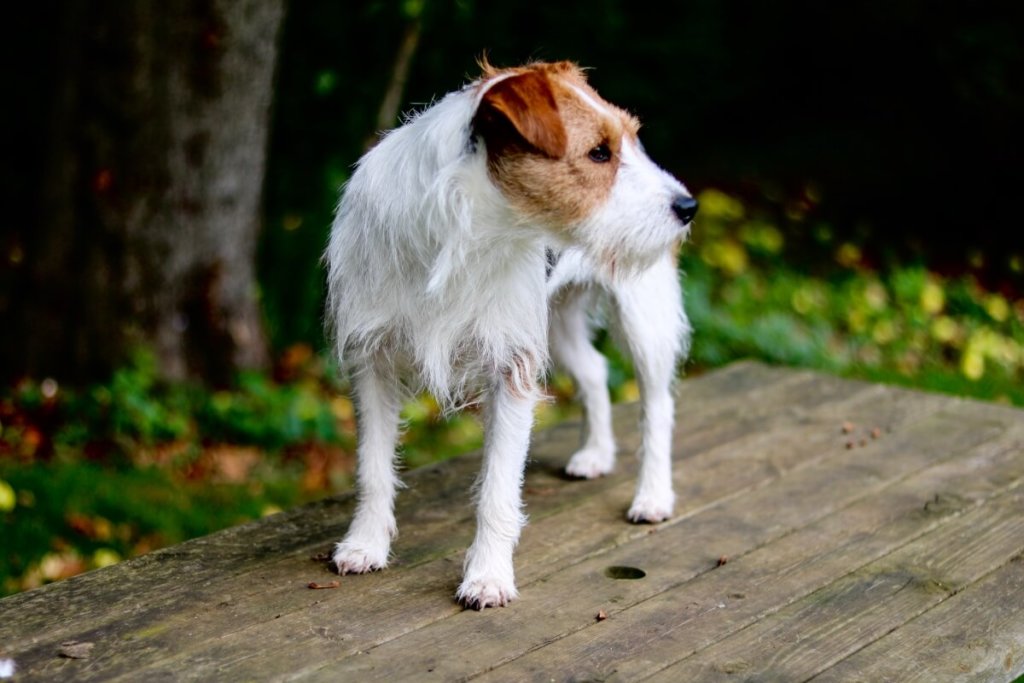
(147, 219)
(387, 113)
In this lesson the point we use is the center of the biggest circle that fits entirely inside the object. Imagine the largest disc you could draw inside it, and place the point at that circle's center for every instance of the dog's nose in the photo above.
(685, 208)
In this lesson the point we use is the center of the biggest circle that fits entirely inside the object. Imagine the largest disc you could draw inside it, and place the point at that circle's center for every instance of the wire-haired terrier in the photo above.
(470, 241)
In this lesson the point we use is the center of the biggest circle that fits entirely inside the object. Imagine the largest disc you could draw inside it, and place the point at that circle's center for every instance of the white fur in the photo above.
(640, 199)
(436, 282)
(417, 212)
(648, 318)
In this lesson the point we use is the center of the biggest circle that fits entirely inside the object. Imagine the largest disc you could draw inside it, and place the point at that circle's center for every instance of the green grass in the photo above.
(902, 324)
(88, 477)
(75, 515)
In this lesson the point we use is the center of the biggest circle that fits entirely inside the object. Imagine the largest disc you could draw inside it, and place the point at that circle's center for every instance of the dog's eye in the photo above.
(600, 154)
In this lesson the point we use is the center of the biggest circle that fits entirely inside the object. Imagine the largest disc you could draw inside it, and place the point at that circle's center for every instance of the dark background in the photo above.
(896, 123)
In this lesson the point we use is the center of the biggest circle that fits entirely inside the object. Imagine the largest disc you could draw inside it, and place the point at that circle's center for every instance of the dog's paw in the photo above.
(354, 558)
(480, 593)
(650, 510)
(590, 463)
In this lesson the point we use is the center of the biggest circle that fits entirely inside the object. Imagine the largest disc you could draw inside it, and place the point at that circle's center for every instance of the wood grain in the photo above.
(797, 550)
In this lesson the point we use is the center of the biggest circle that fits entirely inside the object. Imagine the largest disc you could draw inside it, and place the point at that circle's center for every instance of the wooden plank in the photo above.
(256, 572)
(386, 605)
(976, 635)
(638, 641)
(750, 440)
(675, 554)
(582, 530)
(813, 634)
(310, 526)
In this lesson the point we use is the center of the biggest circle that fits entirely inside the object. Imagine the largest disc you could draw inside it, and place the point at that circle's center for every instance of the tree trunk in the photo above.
(387, 113)
(150, 202)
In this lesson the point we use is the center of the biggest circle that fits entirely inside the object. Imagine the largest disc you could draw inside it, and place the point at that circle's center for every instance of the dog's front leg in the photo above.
(652, 319)
(366, 545)
(488, 577)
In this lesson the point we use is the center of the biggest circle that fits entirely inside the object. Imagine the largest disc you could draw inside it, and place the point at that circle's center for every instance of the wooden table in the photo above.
(891, 550)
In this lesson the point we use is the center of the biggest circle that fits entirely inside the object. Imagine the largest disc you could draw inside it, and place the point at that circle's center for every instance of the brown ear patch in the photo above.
(523, 103)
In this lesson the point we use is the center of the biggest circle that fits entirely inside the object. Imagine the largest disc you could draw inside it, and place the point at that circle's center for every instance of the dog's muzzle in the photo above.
(685, 208)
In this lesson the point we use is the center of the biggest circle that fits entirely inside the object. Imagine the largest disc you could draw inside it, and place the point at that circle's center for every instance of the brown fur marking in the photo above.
(526, 102)
(558, 189)
(521, 377)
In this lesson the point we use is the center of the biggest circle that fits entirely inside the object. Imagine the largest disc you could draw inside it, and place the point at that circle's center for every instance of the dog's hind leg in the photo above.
(368, 541)
(569, 335)
(489, 577)
(654, 324)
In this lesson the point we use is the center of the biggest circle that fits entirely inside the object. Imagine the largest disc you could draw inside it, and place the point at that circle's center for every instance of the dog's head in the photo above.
(568, 160)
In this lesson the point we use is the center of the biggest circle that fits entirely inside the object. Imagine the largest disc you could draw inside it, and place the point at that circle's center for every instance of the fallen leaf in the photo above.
(317, 586)
(232, 464)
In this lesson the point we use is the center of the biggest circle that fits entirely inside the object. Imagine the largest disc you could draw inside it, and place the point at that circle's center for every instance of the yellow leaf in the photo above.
(884, 332)
(717, 204)
(727, 255)
(7, 498)
(945, 329)
(342, 408)
(997, 307)
(104, 557)
(972, 365)
(933, 299)
(857, 319)
(629, 391)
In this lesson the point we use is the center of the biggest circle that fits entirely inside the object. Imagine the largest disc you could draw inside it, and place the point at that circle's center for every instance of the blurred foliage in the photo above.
(837, 312)
(91, 476)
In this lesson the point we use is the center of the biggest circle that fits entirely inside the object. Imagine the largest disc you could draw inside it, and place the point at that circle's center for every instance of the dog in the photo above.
(522, 193)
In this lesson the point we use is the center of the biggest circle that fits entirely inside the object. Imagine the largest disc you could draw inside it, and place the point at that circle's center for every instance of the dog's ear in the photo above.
(526, 103)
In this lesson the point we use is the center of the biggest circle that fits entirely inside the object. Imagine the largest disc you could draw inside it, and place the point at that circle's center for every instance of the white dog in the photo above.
(451, 238)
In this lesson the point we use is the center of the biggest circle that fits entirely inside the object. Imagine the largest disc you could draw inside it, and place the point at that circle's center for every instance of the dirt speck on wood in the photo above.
(73, 649)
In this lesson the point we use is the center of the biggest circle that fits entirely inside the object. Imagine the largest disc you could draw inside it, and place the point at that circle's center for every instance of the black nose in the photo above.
(685, 208)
